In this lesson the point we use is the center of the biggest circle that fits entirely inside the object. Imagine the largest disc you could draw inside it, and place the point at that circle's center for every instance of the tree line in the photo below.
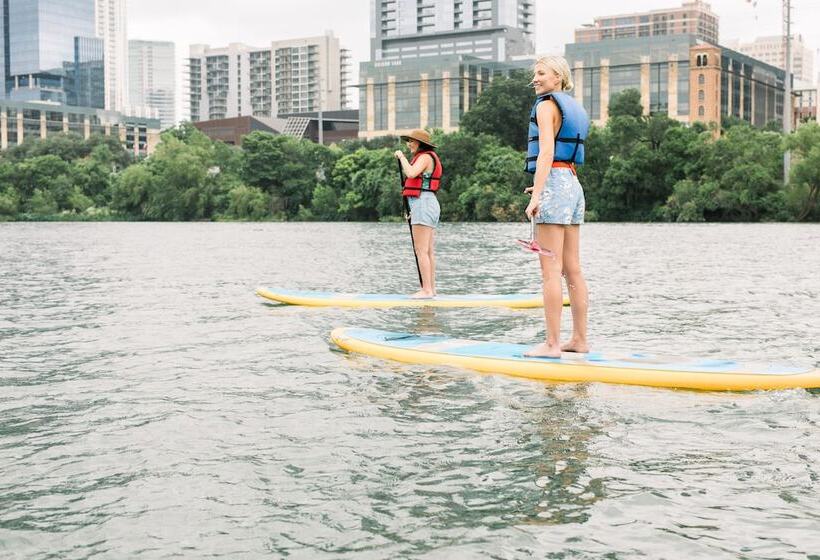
(638, 168)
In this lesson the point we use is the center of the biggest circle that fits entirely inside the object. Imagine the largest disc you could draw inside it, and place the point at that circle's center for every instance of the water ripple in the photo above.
(153, 407)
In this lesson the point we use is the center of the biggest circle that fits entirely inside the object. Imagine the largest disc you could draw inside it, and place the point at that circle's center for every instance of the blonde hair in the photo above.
(558, 64)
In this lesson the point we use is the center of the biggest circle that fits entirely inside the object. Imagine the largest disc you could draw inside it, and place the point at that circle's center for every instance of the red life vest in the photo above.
(413, 187)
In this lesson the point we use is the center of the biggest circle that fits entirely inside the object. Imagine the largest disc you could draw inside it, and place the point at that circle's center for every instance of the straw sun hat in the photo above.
(420, 136)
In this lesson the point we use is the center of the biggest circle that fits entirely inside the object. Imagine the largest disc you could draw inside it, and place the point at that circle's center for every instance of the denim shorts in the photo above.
(562, 200)
(424, 209)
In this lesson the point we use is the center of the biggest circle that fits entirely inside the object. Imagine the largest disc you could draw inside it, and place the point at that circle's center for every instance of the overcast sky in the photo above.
(258, 22)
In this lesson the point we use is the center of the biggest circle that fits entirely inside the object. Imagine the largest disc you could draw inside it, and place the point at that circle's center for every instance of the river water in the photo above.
(151, 406)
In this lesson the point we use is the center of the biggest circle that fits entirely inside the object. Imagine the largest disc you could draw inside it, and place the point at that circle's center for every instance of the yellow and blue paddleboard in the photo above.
(331, 299)
(629, 369)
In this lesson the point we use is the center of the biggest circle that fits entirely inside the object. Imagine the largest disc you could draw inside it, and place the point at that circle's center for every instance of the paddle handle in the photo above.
(532, 229)
(409, 225)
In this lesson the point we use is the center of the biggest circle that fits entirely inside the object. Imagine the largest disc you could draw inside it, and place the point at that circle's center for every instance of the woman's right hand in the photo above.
(398, 154)
(532, 207)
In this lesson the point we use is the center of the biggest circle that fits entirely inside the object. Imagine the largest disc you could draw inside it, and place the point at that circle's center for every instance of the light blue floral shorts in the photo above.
(562, 200)
(424, 209)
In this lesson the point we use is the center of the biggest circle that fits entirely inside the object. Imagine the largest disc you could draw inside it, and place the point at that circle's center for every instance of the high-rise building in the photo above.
(430, 59)
(682, 77)
(772, 50)
(50, 53)
(694, 17)
(290, 76)
(494, 30)
(110, 26)
(152, 78)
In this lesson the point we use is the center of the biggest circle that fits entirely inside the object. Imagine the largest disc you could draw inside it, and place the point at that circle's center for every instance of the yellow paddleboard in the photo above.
(331, 299)
(630, 369)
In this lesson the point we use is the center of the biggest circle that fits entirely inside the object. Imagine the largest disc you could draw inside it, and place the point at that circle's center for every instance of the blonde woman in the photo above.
(423, 177)
(555, 145)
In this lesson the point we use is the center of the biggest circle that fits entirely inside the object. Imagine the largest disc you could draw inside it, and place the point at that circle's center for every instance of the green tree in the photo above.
(351, 145)
(109, 151)
(325, 203)
(496, 188)
(626, 104)
(459, 152)
(503, 110)
(42, 203)
(66, 146)
(93, 179)
(131, 190)
(248, 203)
(285, 167)
(804, 184)
(367, 183)
(44, 184)
(735, 178)
(180, 190)
(9, 201)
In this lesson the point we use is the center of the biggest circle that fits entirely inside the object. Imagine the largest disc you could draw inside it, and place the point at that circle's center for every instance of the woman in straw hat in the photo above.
(555, 145)
(423, 177)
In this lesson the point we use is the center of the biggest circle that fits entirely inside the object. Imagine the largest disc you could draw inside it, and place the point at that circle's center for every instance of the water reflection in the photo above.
(567, 491)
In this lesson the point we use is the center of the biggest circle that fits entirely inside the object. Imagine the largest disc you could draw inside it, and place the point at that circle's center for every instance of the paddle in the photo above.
(531, 245)
(409, 225)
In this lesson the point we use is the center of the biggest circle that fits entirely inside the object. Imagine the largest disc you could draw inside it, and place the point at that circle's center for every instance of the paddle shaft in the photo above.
(409, 225)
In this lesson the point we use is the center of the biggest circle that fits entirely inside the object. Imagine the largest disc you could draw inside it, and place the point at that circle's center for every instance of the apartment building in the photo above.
(289, 76)
(692, 18)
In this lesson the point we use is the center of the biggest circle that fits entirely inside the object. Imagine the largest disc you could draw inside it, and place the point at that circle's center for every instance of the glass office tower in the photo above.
(85, 76)
(50, 52)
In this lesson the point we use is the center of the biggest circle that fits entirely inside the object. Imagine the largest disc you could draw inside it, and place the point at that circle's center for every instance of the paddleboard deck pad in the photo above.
(330, 299)
(630, 369)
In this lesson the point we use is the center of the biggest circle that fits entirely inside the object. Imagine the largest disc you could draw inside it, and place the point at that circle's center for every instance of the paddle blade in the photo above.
(532, 246)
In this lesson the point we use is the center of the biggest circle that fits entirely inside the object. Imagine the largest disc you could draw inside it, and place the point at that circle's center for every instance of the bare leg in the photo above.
(577, 288)
(551, 236)
(422, 237)
(432, 254)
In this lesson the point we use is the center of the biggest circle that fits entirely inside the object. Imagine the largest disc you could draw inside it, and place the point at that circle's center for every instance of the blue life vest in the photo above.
(569, 139)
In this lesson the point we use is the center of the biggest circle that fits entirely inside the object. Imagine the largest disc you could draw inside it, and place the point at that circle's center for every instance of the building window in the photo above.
(701, 111)
(701, 79)
(701, 96)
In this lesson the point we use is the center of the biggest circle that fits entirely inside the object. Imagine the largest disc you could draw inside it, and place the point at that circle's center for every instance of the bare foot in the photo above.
(544, 350)
(577, 346)
(423, 294)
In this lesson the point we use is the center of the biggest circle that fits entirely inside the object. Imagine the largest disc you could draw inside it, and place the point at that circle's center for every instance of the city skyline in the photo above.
(206, 21)
(258, 22)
